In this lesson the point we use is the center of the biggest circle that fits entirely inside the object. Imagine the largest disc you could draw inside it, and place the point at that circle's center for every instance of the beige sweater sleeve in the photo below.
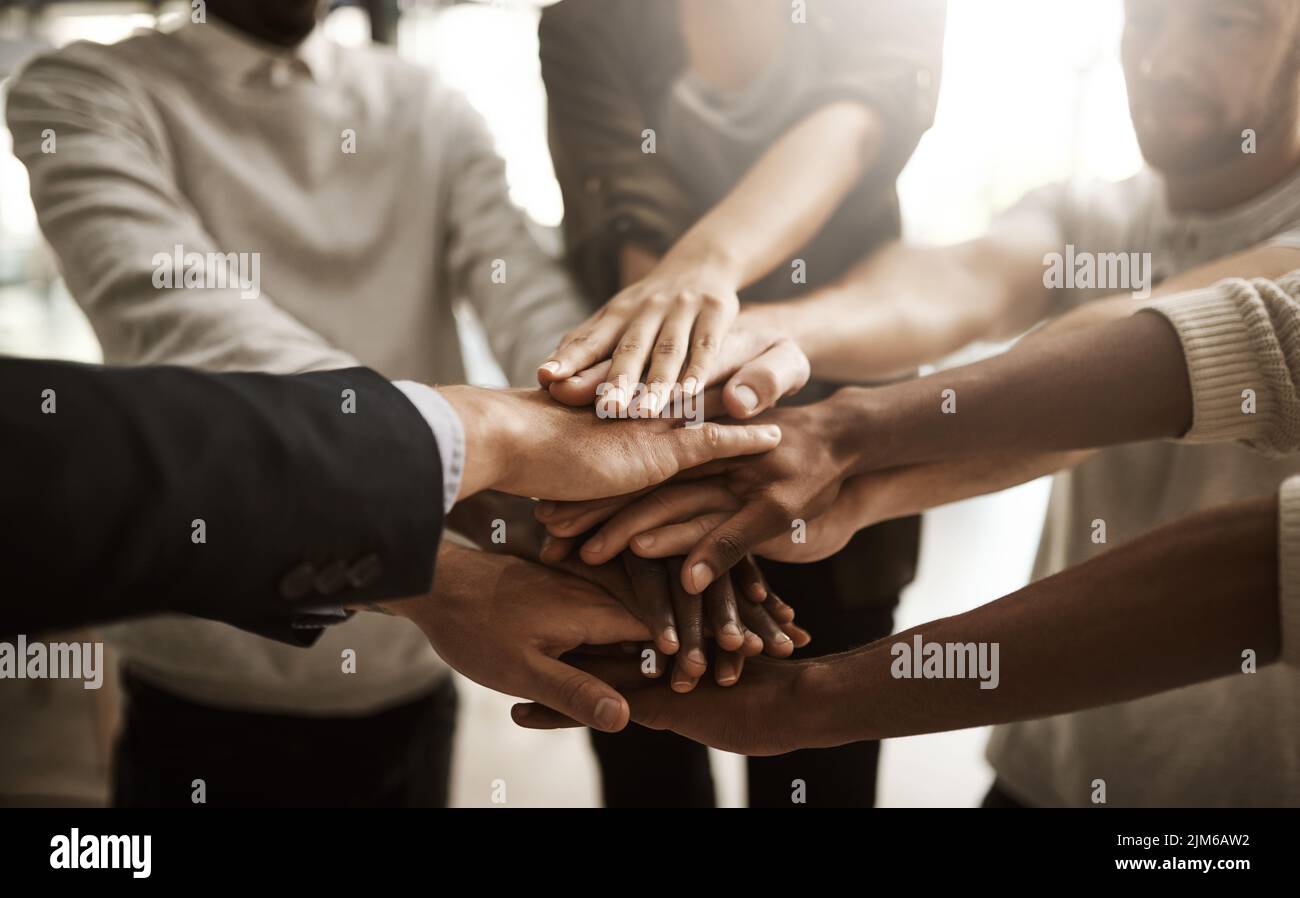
(1288, 554)
(1241, 340)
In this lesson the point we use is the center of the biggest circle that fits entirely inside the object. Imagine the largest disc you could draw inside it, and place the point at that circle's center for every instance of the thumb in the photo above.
(579, 695)
(711, 441)
(725, 545)
(580, 389)
(761, 382)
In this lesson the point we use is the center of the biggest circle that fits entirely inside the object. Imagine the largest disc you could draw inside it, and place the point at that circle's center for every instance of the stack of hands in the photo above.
(581, 632)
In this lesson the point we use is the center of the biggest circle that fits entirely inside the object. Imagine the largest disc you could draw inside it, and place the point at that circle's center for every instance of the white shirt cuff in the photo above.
(448, 432)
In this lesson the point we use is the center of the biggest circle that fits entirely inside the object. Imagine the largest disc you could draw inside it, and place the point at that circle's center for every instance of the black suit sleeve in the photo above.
(267, 502)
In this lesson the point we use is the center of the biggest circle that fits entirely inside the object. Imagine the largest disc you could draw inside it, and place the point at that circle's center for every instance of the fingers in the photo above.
(579, 695)
(690, 663)
(727, 668)
(711, 327)
(532, 716)
(676, 539)
(580, 389)
(776, 642)
(592, 342)
(654, 601)
(729, 542)
(760, 383)
(724, 619)
(668, 355)
(691, 446)
(575, 518)
(779, 610)
(749, 580)
(555, 549)
(629, 360)
(666, 505)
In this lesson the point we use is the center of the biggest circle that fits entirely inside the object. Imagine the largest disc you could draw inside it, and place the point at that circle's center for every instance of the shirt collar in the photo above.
(240, 58)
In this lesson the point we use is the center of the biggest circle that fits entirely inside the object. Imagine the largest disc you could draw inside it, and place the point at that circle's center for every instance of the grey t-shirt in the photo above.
(1234, 741)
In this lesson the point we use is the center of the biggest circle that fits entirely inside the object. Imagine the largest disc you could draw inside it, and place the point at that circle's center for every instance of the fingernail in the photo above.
(772, 432)
(645, 540)
(683, 684)
(695, 656)
(690, 386)
(748, 398)
(544, 510)
(726, 674)
(670, 636)
(781, 639)
(574, 380)
(594, 545)
(757, 592)
(730, 629)
(700, 576)
(607, 714)
(551, 366)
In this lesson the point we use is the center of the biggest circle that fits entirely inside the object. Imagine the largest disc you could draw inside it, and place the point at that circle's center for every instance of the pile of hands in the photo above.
(612, 598)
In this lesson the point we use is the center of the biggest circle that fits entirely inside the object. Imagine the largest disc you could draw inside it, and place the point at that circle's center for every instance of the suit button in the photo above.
(297, 582)
(365, 571)
(331, 578)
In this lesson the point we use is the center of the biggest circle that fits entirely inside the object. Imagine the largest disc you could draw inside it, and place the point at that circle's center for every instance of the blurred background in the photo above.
(1032, 93)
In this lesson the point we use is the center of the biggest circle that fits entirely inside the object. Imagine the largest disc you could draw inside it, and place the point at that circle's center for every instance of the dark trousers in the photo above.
(400, 757)
(835, 602)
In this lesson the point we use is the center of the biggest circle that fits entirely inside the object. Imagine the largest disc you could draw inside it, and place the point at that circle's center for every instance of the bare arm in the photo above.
(908, 305)
(1176, 607)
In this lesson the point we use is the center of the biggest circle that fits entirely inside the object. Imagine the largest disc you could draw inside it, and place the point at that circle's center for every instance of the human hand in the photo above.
(648, 327)
(504, 623)
(520, 442)
(758, 364)
(780, 706)
(738, 612)
(733, 510)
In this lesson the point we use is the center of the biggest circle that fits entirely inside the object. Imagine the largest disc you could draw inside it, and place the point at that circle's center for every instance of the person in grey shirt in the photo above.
(243, 194)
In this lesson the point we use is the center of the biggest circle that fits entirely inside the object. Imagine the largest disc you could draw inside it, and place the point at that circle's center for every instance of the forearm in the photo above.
(1170, 609)
(905, 306)
(1122, 382)
(782, 201)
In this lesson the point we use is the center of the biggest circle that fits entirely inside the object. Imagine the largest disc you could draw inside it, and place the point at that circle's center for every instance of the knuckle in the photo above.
(571, 690)
(667, 347)
(729, 547)
(628, 347)
(711, 434)
(715, 303)
(707, 343)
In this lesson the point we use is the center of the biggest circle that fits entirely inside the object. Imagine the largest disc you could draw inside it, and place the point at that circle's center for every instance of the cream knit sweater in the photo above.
(1239, 333)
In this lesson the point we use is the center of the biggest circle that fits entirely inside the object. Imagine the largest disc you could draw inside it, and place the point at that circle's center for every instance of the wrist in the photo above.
(719, 262)
(491, 442)
(822, 684)
(854, 683)
(854, 428)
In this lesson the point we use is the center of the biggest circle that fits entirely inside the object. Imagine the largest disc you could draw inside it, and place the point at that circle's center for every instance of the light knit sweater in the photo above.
(1248, 332)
